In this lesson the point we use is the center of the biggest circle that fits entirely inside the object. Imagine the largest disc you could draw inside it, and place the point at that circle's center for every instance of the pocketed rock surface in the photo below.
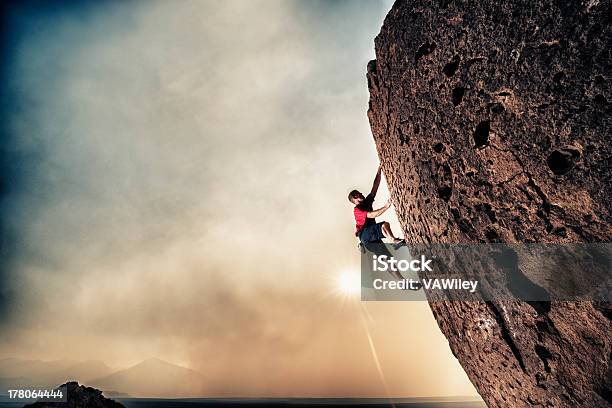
(492, 123)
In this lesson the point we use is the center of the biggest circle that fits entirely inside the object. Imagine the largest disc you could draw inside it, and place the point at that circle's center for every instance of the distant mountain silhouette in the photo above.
(153, 378)
(36, 370)
(16, 372)
(150, 378)
(85, 371)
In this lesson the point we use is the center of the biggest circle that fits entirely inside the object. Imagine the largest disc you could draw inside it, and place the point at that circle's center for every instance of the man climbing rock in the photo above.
(368, 230)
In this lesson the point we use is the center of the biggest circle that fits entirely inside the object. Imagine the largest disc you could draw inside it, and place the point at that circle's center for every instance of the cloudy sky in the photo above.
(173, 185)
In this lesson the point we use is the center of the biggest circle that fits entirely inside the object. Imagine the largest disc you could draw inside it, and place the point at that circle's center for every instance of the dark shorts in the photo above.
(371, 233)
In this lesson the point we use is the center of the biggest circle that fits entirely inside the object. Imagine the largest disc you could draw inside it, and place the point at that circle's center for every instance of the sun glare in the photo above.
(348, 283)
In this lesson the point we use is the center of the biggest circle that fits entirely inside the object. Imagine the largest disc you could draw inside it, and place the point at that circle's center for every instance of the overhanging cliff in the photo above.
(492, 122)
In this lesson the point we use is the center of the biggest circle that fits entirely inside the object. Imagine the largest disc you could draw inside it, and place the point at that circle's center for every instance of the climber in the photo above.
(368, 230)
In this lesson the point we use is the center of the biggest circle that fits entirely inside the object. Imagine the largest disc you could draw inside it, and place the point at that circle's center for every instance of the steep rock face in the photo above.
(492, 122)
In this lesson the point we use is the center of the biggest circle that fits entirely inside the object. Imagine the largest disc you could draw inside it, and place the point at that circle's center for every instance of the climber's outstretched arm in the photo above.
(376, 182)
(376, 213)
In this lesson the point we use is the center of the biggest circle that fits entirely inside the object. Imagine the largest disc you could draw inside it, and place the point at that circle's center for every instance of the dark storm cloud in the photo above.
(24, 24)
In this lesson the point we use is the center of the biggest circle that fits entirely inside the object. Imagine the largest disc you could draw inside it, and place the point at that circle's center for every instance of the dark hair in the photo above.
(353, 194)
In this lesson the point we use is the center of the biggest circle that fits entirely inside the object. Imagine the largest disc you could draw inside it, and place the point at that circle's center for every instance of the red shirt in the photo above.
(361, 214)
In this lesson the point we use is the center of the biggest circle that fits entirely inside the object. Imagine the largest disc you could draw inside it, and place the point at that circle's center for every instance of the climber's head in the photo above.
(356, 197)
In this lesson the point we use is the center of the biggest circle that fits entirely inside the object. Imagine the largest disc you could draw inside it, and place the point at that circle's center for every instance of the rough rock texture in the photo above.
(79, 396)
(492, 122)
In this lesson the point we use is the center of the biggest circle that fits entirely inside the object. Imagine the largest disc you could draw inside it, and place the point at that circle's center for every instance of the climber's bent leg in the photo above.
(371, 238)
(386, 230)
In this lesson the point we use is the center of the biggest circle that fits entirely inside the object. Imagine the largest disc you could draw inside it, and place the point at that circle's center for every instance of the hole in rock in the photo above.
(457, 95)
(492, 236)
(561, 161)
(542, 327)
(438, 148)
(445, 193)
(600, 99)
(504, 94)
(542, 106)
(558, 77)
(595, 29)
(481, 134)
(497, 108)
(488, 209)
(466, 227)
(456, 214)
(605, 309)
(425, 49)
(450, 68)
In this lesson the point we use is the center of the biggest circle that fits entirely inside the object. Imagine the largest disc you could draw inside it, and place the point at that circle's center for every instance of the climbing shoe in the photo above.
(399, 244)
